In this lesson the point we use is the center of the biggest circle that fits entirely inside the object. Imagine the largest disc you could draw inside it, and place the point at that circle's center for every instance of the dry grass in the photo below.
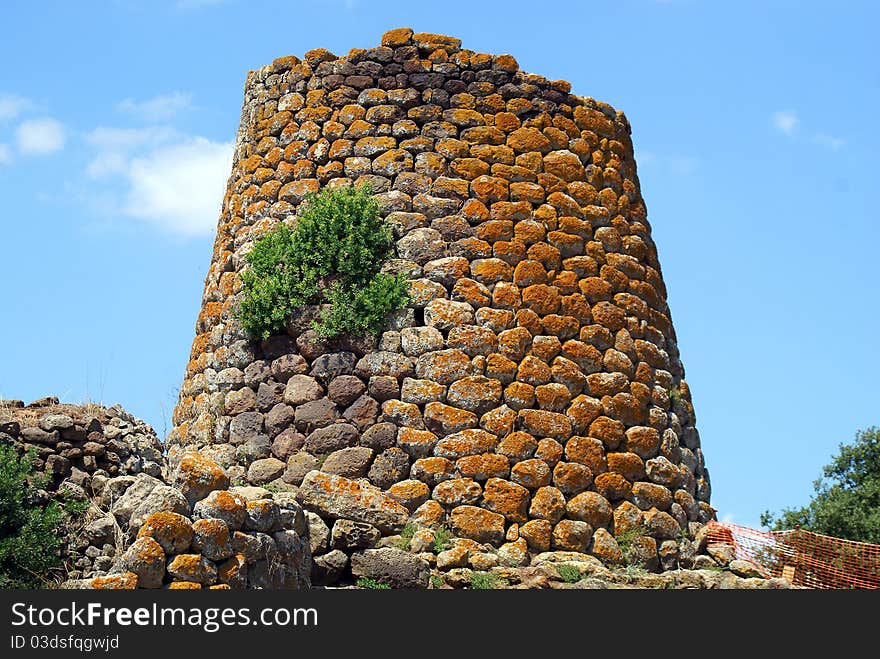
(29, 417)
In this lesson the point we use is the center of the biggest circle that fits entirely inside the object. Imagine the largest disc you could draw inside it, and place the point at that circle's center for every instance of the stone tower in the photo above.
(531, 396)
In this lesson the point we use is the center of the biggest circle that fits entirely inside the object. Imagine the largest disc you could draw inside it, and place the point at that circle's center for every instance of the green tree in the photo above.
(332, 255)
(30, 536)
(846, 503)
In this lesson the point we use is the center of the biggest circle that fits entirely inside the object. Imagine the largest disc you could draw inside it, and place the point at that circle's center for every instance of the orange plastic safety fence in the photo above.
(804, 558)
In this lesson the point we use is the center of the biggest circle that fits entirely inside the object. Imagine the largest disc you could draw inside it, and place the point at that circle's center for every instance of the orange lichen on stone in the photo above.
(124, 581)
(171, 530)
(477, 524)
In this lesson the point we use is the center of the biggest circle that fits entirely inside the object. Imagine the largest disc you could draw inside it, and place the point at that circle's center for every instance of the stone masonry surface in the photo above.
(529, 399)
(150, 524)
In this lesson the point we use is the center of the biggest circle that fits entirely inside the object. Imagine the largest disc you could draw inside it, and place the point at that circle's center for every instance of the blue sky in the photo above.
(754, 125)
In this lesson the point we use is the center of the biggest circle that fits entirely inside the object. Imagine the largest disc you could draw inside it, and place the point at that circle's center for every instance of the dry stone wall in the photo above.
(531, 395)
(148, 523)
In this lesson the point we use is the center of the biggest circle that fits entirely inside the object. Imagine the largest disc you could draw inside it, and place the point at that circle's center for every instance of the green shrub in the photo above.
(437, 581)
(486, 581)
(625, 541)
(30, 534)
(332, 255)
(406, 536)
(442, 536)
(569, 573)
(371, 584)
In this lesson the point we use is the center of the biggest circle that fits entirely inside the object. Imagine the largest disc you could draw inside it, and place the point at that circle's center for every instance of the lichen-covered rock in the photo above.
(146, 559)
(477, 524)
(192, 567)
(197, 476)
(223, 505)
(339, 497)
(172, 531)
(211, 538)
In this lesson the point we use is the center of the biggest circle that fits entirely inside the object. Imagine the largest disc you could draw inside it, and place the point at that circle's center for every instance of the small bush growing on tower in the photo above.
(332, 255)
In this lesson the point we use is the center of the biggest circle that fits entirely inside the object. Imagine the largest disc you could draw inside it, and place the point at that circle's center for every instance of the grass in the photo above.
(371, 584)
(437, 581)
(569, 573)
(442, 536)
(625, 541)
(486, 581)
(406, 536)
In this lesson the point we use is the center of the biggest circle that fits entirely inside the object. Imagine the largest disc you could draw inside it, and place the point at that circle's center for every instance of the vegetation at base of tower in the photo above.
(846, 503)
(486, 581)
(569, 573)
(442, 536)
(371, 584)
(332, 255)
(31, 534)
(406, 536)
(625, 542)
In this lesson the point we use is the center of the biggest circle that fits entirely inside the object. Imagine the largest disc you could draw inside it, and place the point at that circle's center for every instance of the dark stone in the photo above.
(255, 448)
(278, 345)
(389, 467)
(34, 435)
(10, 427)
(345, 389)
(380, 436)
(269, 395)
(362, 412)
(46, 401)
(278, 419)
(311, 345)
(287, 365)
(326, 367)
(75, 434)
(384, 387)
(394, 567)
(287, 443)
(327, 569)
(255, 373)
(315, 414)
(245, 426)
(348, 535)
(57, 465)
(332, 438)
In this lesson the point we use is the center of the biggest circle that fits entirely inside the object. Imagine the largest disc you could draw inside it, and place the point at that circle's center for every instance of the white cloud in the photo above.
(40, 136)
(126, 139)
(5, 154)
(829, 141)
(785, 121)
(179, 187)
(158, 108)
(11, 106)
(106, 164)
